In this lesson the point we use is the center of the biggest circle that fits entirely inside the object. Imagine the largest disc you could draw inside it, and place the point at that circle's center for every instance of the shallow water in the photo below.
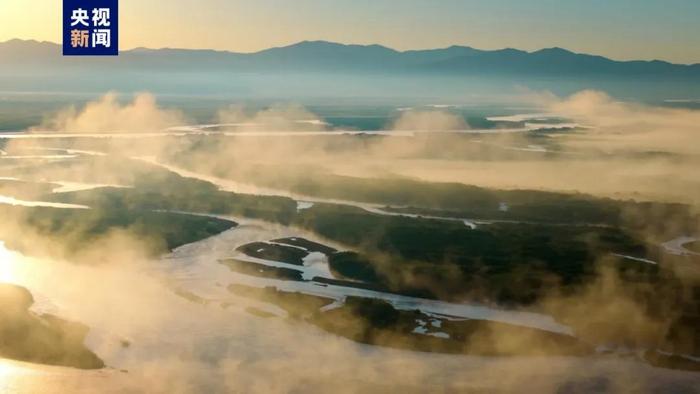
(675, 246)
(204, 130)
(196, 266)
(14, 201)
(176, 345)
(66, 187)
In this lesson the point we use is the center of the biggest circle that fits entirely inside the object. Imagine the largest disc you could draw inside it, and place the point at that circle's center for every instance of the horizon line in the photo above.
(364, 45)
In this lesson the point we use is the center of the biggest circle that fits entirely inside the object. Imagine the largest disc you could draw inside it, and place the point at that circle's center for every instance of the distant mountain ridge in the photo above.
(317, 56)
(321, 70)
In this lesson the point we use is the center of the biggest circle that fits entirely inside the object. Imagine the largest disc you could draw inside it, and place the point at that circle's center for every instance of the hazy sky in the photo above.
(621, 29)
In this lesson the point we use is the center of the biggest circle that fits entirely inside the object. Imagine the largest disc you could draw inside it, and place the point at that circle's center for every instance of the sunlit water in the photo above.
(67, 187)
(25, 203)
(196, 265)
(175, 345)
(204, 130)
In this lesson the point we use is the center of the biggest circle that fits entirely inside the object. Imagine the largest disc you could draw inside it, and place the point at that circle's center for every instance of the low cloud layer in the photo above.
(235, 351)
(108, 114)
(643, 152)
(275, 118)
(631, 127)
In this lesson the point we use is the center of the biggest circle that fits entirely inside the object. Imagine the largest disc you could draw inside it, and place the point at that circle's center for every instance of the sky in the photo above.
(619, 29)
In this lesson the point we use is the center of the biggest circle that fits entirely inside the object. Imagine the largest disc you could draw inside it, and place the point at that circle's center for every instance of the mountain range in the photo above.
(326, 70)
(317, 56)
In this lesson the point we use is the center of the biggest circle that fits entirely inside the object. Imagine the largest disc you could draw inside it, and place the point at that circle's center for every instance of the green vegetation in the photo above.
(507, 263)
(40, 339)
(346, 283)
(266, 271)
(306, 244)
(671, 361)
(186, 196)
(376, 322)
(153, 188)
(274, 252)
(297, 305)
(74, 228)
(261, 270)
(693, 246)
(353, 266)
(459, 200)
